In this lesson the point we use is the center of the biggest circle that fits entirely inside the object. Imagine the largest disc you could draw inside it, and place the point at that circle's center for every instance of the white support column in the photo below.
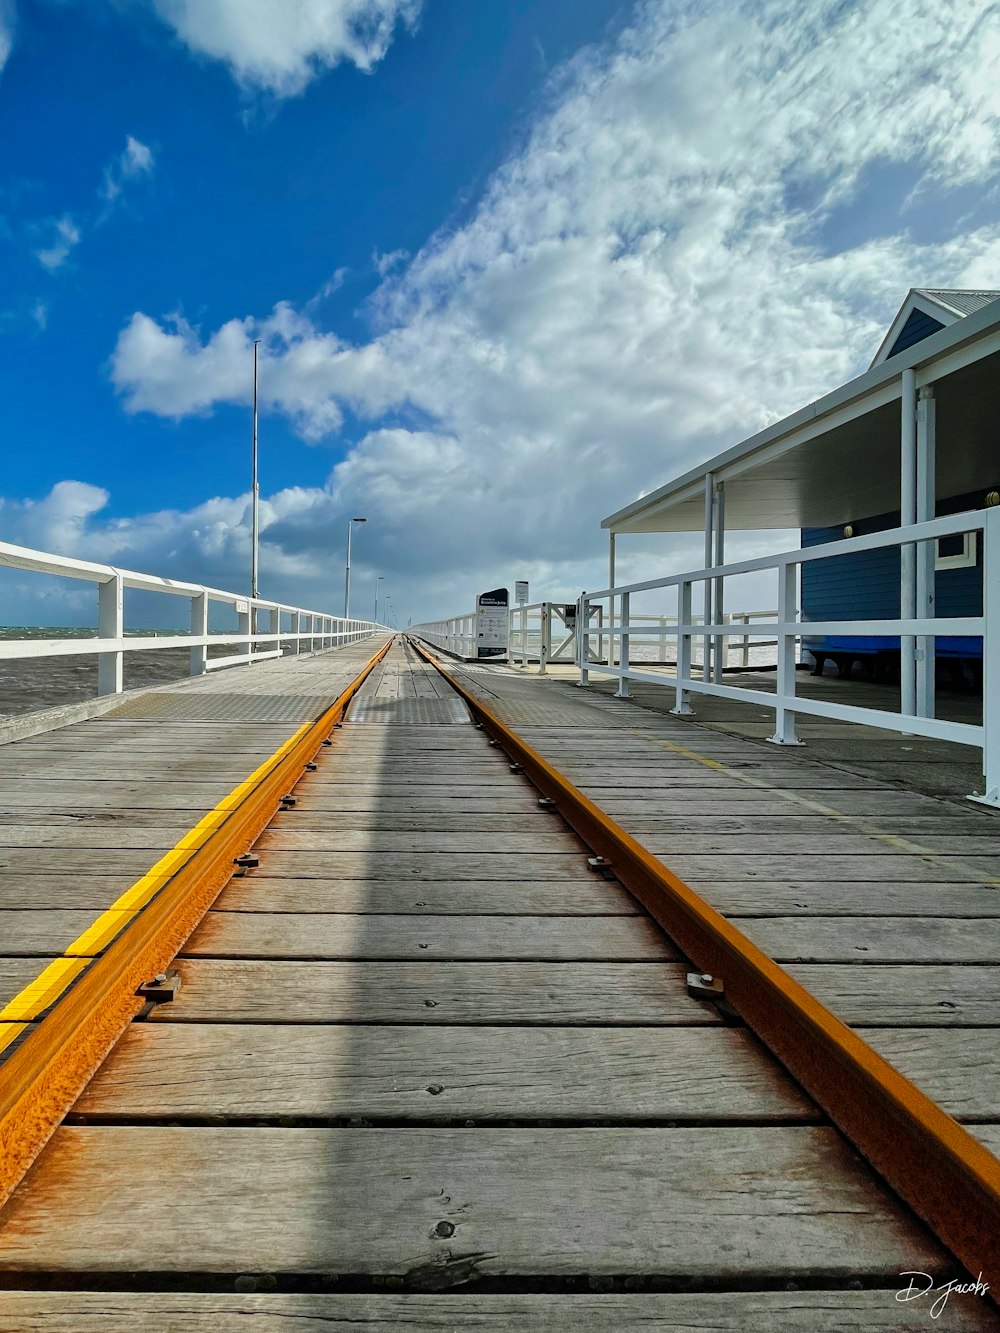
(583, 639)
(296, 628)
(622, 691)
(681, 706)
(708, 653)
(908, 554)
(719, 559)
(110, 625)
(545, 647)
(926, 551)
(199, 626)
(611, 604)
(991, 661)
(784, 728)
(275, 629)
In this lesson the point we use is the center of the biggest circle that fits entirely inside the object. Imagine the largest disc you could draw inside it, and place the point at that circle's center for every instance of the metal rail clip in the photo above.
(703, 986)
(163, 987)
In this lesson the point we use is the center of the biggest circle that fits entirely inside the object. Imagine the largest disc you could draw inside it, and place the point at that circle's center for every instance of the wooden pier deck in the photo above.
(427, 1069)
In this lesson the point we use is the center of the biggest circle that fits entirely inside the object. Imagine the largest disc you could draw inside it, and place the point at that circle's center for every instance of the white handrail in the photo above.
(787, 628)
(307, 631)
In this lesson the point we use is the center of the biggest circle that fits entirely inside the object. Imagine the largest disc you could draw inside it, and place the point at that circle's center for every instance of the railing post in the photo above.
(681, 706)
(245, 618)
(926, 550)
(784, 727)
(275, 629)
(991, 660)
(545, 647)
(110, 625)
(199, 627)
(583, 639)
(661, 654)
(296, 629)
(623, 649)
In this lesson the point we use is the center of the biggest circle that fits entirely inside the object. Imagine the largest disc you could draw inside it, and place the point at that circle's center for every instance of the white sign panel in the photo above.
(521, 592)
(492, 623)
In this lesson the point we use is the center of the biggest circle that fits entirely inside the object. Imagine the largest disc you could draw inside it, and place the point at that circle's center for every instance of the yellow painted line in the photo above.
(49, 984)
(10, 1032)
(46, 987)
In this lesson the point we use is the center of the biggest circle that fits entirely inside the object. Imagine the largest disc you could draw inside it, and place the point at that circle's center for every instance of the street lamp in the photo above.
(380, 579)
(255, 489)
(347, 568)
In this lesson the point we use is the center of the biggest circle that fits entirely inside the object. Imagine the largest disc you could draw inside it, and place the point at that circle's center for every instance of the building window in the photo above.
(956, 552)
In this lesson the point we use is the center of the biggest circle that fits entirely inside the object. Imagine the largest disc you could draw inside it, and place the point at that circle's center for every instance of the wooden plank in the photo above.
(959, 1068)
(853, 898)
(551, 838)
(837, 841)
(873, 939)
(829, 1311)
(832, 869)
(413, 1073)
(16, 973)
(905, 995)
(514, 1201)
(417, 865)
(611, 994)
(119, 835)
(414, 937)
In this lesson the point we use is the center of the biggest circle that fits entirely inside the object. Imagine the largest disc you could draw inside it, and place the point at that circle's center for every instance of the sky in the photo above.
(511, 264)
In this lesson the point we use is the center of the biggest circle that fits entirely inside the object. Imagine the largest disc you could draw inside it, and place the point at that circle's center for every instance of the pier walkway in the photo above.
(431, 1064)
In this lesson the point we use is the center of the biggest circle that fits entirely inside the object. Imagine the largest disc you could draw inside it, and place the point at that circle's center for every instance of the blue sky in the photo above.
(512, 262)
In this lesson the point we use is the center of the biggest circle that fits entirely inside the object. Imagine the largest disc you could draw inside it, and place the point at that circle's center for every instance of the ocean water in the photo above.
(27, 684)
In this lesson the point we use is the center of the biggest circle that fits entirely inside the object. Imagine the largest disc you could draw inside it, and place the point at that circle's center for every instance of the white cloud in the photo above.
(135, 160)
(67, 238)
(637, 288)
(281, 45)
(7, 17)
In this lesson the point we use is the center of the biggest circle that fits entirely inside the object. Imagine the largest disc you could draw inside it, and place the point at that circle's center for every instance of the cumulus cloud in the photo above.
(652, 276)
(281, 45)
(65, 240)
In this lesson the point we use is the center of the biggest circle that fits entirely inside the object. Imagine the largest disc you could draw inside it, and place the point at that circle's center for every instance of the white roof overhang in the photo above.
(837, 460)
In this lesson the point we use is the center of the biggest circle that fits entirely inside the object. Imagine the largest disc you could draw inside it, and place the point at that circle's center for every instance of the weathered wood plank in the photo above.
(873, 939)
(415, 865)
(414, 937)
(612, 994)
(904, 995)
(550, 838)
(836, 842)
(833, 869)
(854, 898)
(959, 1068)
(16, 973)
(500, 1073)
(566, 1201)
(830, 1311)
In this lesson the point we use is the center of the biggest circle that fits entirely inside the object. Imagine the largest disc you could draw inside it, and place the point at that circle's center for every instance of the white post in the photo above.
(611, 601)
(545, 646)
(583, 639)
(244, 625)
(681, 706)
(991, 660)
(199, 626)
(784, 730)
(296, 629)
(622, 691)
(110, 625)
(926, 504)
(707, 650)
(908, 553)
(719, 559)
(255, 488)
(275, 629)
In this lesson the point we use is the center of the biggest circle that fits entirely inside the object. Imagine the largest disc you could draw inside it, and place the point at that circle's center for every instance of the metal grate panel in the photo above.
(426, 711)
(212, 706)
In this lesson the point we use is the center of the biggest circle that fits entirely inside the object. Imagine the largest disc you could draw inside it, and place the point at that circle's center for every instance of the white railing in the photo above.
(304, 631)
(545, 632)
(787, 628)
(456, 636)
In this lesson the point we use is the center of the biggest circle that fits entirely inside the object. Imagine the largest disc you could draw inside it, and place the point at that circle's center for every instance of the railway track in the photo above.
(435, 1062)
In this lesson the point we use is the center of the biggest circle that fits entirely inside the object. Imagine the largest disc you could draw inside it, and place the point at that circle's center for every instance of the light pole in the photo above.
(255, 489)
(347, 568)
(380, 579)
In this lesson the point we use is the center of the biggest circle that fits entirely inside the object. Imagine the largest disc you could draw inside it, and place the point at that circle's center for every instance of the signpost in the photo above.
(521, 592)
(492, 623)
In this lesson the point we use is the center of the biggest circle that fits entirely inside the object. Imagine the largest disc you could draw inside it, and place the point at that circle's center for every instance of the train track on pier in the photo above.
(451, 1050)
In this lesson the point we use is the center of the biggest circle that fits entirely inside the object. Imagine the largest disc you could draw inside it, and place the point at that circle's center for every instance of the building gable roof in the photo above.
(926, 310)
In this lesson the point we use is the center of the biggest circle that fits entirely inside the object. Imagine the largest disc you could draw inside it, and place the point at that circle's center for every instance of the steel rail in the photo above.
(43, 1077)
(949, 1179)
